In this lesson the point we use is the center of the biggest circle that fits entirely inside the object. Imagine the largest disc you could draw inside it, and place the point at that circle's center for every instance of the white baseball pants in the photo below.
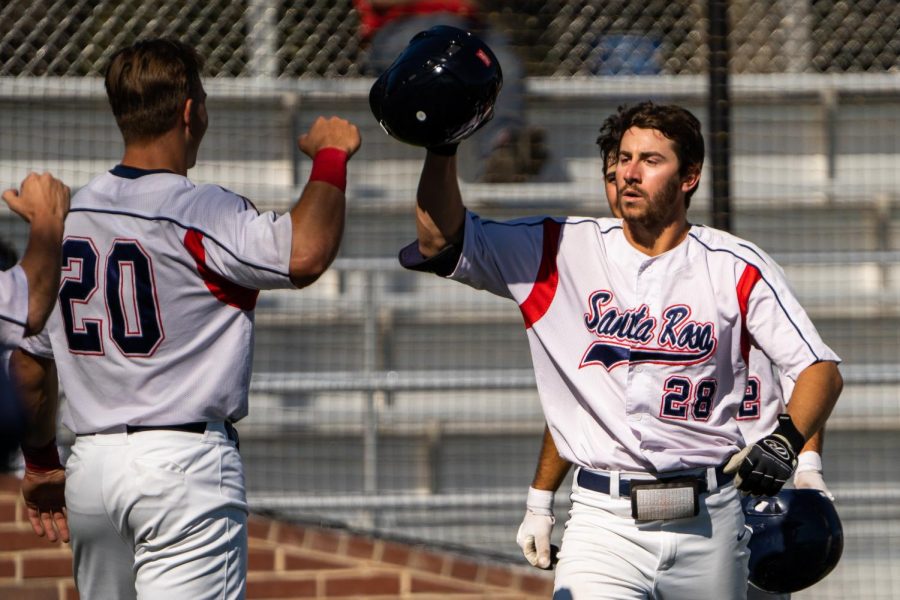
(605, 554)
(158, 514)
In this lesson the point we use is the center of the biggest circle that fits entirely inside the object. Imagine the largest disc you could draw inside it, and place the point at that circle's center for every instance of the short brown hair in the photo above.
(148, 82)
(676, 123)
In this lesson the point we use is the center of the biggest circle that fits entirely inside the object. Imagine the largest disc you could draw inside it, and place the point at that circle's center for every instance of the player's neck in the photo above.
(654, 241)
(166, 152)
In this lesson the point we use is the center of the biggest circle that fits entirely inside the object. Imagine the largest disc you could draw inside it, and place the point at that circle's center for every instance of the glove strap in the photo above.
(540, 502)
(789, 432)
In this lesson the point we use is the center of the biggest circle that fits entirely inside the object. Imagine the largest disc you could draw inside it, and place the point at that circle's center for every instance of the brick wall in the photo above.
(286, 561)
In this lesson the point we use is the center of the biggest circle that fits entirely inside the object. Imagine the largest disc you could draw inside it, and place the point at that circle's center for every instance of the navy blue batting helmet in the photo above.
(797, 539)
(440, 89)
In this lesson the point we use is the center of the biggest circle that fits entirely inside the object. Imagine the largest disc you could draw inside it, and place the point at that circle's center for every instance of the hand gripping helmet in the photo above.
(440, 89)
(797, 539)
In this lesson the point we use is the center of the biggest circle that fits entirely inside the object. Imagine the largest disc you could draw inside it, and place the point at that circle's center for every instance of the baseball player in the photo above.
(763, 402)
(28, 289)
(153, 338)
(640, 331)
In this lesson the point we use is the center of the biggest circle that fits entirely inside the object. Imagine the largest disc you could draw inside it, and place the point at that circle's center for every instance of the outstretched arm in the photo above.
(318, 217)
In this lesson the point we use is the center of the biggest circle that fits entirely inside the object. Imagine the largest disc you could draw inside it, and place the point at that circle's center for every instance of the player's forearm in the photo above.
(440, 213)
(41, 263)
(318, 225)
(551, 468)
(36, 386)
(814, 396)
(816, 443)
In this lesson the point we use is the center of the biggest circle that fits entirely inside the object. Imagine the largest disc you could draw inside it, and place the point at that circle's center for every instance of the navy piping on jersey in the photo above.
(11, 320)
(699, 241)
(186, 228)
(774, 293)
(560, 220)
(126, 172)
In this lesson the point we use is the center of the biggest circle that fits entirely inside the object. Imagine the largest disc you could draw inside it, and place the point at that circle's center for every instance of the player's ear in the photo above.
(187, 112)
(690, 180)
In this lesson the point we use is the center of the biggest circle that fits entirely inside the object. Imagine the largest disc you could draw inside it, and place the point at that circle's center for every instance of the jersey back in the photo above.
(154, 323)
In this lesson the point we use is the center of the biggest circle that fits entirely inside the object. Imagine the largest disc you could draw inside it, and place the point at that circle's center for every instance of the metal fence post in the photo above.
(262, 38)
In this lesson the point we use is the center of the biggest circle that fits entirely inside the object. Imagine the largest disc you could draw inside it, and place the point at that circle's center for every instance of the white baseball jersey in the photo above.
(154, 324)
(640, 361)
(765, 398)
(13, 307)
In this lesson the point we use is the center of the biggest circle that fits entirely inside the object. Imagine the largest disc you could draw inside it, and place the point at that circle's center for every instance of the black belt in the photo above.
(195, 427)
(597, 482)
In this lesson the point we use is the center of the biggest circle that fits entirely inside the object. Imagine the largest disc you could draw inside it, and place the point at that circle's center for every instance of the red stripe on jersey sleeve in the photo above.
(748, 281)
(541, 296)
(226, 291)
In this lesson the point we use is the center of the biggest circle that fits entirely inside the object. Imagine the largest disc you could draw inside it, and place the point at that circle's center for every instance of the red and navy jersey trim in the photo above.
(226, 291)
(541, 297)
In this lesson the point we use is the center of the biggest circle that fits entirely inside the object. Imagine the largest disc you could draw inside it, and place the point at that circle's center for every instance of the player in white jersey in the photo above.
(28, 289)
(640, 332)
(153, 341)
(757, 416)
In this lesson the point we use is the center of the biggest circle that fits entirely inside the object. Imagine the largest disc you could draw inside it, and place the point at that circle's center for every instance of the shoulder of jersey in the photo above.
(224, 197)
(717, 239)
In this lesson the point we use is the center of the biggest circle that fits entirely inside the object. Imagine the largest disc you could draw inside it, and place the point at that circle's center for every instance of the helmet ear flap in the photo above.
(797, 539)
(440, 89)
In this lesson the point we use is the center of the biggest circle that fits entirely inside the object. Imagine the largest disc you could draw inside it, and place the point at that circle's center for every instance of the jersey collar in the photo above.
(127, 172)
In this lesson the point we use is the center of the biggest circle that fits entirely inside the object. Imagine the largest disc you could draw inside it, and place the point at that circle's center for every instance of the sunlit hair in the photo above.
(148, 83)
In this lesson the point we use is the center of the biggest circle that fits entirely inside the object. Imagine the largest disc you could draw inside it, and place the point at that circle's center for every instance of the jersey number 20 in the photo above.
(129, 295)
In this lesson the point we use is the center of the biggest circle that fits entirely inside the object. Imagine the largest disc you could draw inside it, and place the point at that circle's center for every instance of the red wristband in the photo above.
(41, 460)
(330, 166)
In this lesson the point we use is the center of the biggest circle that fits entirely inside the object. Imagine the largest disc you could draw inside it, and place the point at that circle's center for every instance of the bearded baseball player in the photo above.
(28, 289)
(153, 341)
(640, 331)
(757, 416)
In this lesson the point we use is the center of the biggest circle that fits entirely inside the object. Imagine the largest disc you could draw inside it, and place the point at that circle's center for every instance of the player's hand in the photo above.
(332, 132)
(808, 475)
(534, 539)
(534, 532)
(39, 197)
(763, 468)
(45, 501)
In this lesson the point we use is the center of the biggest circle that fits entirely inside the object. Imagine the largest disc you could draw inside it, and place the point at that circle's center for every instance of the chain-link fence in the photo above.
(312, 38)
(405, 404)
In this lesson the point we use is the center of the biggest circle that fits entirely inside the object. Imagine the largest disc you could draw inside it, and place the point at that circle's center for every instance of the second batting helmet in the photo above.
(440, 89)
(797, 539)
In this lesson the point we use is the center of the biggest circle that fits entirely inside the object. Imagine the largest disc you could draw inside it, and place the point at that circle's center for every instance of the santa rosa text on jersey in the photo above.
(625, 335)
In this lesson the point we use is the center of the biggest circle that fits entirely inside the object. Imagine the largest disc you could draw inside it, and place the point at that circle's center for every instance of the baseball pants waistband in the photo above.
(195, 427)
(599, 482)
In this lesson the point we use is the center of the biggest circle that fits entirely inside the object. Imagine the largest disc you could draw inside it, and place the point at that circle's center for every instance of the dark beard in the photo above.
(660, 209)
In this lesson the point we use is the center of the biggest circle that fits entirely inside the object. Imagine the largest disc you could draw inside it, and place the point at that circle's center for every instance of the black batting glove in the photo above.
(761, 469)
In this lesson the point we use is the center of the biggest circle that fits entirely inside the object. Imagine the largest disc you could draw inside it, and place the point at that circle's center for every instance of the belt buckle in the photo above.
(675, 498)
